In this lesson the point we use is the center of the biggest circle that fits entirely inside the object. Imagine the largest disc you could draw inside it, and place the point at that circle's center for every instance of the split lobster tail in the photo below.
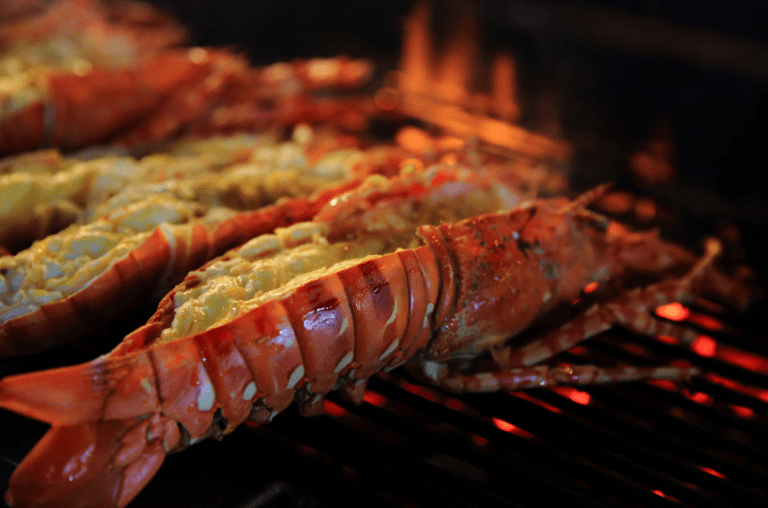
(98, 452)
(88, 465)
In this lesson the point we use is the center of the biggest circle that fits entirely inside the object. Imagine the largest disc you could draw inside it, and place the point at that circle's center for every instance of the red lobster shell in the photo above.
(463, 291)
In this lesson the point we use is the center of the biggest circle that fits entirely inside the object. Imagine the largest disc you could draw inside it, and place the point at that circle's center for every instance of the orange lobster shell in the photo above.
(464, 291)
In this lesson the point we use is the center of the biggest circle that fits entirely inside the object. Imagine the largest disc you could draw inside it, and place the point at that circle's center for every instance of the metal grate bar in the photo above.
(603, 448)
(662, 442)
(692, 434)
(536, 452)
(522, 483)
(365, 453)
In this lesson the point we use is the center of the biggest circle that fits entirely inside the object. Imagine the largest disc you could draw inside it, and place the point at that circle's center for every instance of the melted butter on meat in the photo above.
(271, 265)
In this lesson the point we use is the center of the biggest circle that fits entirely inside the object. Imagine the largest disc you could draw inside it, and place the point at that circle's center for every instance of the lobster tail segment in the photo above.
(104, 389)
(91, 465)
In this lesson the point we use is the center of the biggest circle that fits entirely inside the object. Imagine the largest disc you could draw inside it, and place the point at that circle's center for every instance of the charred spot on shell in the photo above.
(260, 413)
(218, 426)
(549, 268)
(186, 440)
(523, 246)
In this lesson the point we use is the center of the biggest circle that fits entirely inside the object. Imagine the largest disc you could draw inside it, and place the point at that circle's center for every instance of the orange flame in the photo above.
(504, 88)
(416, 63)
(455, 69)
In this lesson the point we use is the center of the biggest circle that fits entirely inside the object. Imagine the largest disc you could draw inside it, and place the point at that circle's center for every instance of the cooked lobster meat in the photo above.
(146, 237)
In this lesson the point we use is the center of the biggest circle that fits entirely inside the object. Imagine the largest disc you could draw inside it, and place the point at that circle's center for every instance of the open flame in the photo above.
(440, 91)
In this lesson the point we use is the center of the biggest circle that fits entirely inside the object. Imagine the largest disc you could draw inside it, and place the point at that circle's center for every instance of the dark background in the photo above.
(608, 72)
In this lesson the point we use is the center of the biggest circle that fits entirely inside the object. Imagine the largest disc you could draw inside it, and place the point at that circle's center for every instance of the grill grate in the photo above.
(639, 444)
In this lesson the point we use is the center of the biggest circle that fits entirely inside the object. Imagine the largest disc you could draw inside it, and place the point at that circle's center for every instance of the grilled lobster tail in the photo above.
(468, 287)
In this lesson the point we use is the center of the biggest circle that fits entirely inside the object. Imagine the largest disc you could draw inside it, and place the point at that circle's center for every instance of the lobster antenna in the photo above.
(586, 198)
(577, 207)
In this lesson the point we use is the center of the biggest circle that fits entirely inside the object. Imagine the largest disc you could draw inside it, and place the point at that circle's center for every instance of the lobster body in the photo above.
(466, 289)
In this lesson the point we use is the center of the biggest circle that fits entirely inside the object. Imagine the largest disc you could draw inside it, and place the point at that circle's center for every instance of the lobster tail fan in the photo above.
(59, 396)
(104, 389)
(84, 466)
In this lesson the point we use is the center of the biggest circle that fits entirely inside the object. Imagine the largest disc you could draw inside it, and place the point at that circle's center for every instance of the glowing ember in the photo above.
(479, 441)
(701, 398)
(707, 322)
(712, 471)
(505, 426)
(578, 350)
(589, 288)
(743, 411)
(666, 339)
(419, 390)
(742, 359)
(659, 493)
(704, 345)
(512, 429)
(635, 349)
(334, 409)
(374, 398)
(664, 384)
(575, 395)
(734, 385)
(455, 404)
(541, 403)
(673, 311)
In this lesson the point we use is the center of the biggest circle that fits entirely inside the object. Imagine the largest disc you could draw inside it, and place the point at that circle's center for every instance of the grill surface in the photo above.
(636, 444)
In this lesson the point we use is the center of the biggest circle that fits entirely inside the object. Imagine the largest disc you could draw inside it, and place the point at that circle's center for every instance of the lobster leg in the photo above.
(633, 311)
(540, 376)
